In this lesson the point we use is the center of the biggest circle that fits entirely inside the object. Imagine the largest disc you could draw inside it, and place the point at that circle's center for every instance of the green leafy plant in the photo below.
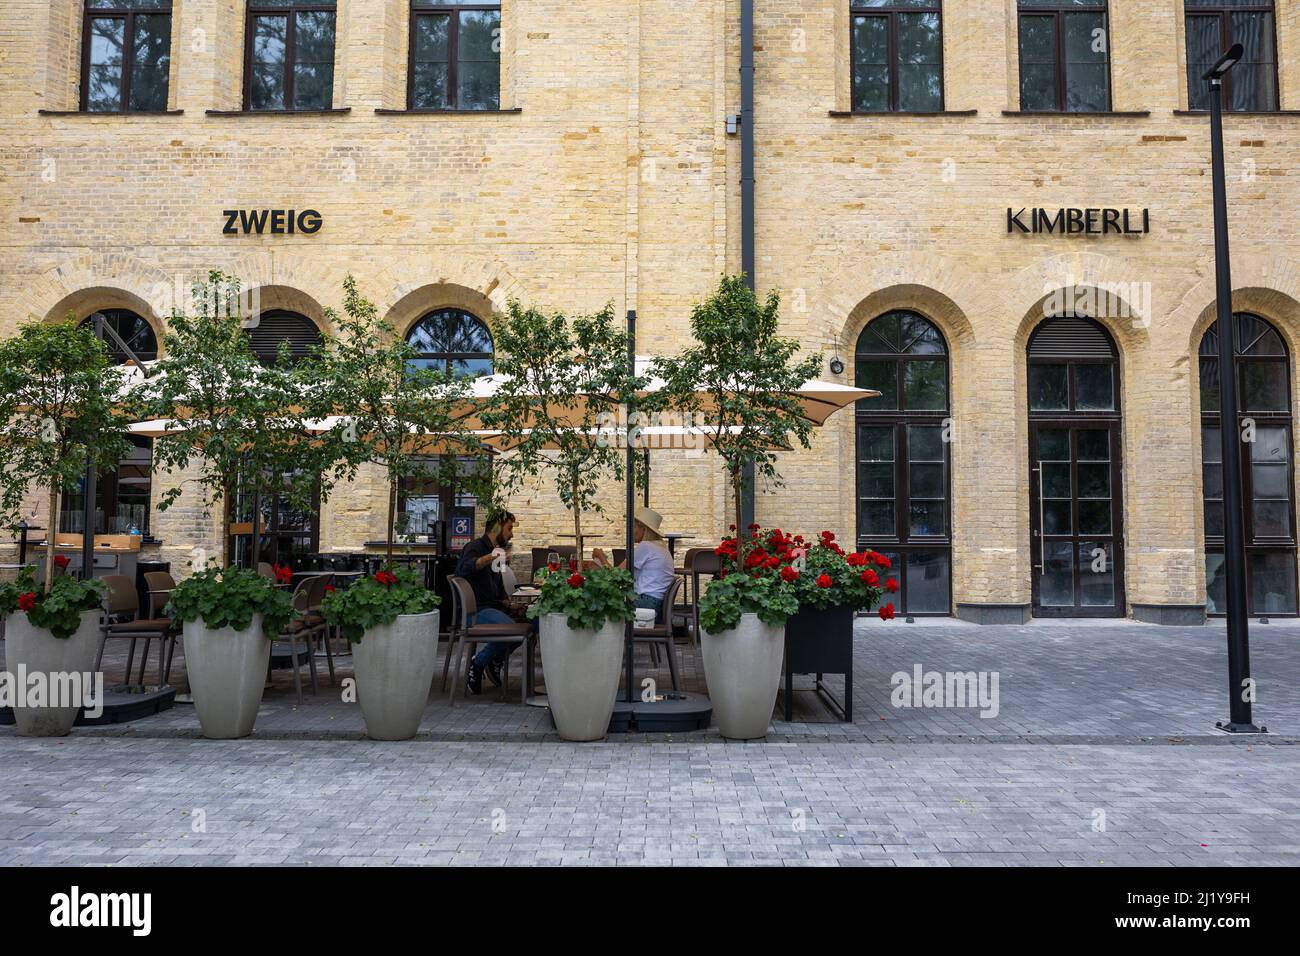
(819, 572)
(741, 375)
(230, 597)
(239, 423)
(731, 595)
(59, 415)
(564, 385)
(59, 609)
(376, 601)
(384, 408)
(587, 599)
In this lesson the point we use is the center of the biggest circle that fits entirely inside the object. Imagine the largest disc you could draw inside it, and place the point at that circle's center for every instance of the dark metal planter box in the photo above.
(820, 642)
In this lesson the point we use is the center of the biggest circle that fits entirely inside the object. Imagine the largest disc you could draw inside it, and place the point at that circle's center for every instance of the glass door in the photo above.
(1075, 520)
(1075, 482)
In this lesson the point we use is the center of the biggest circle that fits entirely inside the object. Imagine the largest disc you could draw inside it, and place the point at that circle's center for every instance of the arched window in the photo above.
(275, 326)
(1075, 516)
(132, 329)
(1268, 485)
(121, 495)
(454, 341)
(903, 459)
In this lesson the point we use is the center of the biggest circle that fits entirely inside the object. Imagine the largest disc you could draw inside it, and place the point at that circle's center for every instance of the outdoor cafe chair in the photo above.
(122, 620)
(661, 634)
(159, 585)
(465, 637)
(302, 628)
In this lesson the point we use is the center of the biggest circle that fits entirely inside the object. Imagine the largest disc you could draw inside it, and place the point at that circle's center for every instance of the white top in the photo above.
(654, 568)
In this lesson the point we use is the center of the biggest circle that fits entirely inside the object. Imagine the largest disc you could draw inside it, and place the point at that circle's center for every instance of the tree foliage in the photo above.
(390, 412)
(740, 375)
(237, 420)
(565, 385)
(59, 415)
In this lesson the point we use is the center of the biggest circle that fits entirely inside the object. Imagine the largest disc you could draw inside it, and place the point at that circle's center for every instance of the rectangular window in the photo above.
(1215, 25)
(455, 61)
(1064, 56)
(126, 55)
(289, 55)
(897, 49)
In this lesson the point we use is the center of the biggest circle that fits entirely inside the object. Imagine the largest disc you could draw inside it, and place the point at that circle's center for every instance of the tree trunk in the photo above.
(51, 535)
(742, 536)
(577, 524)
(392, 517)
(226, 515)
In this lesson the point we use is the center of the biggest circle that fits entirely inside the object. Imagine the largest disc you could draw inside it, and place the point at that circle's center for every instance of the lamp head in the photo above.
(1225, 63)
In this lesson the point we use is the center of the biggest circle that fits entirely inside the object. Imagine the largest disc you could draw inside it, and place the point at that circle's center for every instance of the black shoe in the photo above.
(474, 679)
(493, 671)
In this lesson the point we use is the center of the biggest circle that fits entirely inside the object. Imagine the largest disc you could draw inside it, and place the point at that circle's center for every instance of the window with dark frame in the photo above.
(903, 457)
(121, 495)
(455, 55)
(289, 55)
(897, 50)
(1064, 56)
(1263, 369)
(1215, 25)
(125, 55)
(452, 341)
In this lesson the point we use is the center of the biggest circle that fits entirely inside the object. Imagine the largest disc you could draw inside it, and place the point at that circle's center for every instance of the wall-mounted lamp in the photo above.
(733, 124)
(837, 366)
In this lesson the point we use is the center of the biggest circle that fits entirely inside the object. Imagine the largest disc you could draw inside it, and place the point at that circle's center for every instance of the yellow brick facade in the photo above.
(616, 182)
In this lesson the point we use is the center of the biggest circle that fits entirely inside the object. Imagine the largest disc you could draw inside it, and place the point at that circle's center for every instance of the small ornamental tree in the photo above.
(59, 416)
(389, 411)
(565, 383)
(740, 375)
(236, 419)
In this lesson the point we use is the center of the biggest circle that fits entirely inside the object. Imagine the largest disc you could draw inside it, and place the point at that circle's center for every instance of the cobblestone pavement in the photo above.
(123, 802)
(1098, 725)
(1092, 682)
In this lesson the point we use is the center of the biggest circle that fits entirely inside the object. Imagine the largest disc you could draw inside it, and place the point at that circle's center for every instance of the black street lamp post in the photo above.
(1240, 694)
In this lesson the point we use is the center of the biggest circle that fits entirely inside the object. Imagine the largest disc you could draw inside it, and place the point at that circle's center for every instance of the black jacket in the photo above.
(489, 591)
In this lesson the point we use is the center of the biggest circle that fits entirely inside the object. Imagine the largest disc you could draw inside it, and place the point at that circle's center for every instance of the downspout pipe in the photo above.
(747, 236)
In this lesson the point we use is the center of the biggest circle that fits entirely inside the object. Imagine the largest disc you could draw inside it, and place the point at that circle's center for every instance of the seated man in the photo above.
(654, 565)
(478, 565)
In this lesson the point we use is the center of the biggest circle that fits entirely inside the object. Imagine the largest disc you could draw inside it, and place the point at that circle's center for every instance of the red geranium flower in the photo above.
(576, 580)
(754, 527)
(386, 578)
(883, 561)
(283, 573)
(330, 589)
(891, 585)
(827, 536)
(789, 574)
(887, 612)
(824, 581)
(27, 601)
(61, 560)
(552, 566)
(870, 578)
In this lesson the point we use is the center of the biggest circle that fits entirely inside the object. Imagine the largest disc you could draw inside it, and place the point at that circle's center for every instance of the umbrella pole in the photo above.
(631, 501)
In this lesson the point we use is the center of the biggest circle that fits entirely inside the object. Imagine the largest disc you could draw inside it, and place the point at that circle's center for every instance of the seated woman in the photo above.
(654, 565)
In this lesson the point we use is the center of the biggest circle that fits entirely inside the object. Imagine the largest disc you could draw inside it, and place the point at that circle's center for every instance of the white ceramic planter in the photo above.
(743, 669)
(394, 667)
(581, 669)
(35, 650)
(227, 672)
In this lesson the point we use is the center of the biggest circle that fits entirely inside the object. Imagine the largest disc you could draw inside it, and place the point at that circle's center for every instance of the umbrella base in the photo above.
(676, 712)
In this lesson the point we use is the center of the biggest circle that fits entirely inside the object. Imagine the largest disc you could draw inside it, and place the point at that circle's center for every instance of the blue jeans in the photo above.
(650, 601)
(497, 650)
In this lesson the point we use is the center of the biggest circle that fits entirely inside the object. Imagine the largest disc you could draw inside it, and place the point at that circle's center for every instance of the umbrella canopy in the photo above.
(817, 399)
